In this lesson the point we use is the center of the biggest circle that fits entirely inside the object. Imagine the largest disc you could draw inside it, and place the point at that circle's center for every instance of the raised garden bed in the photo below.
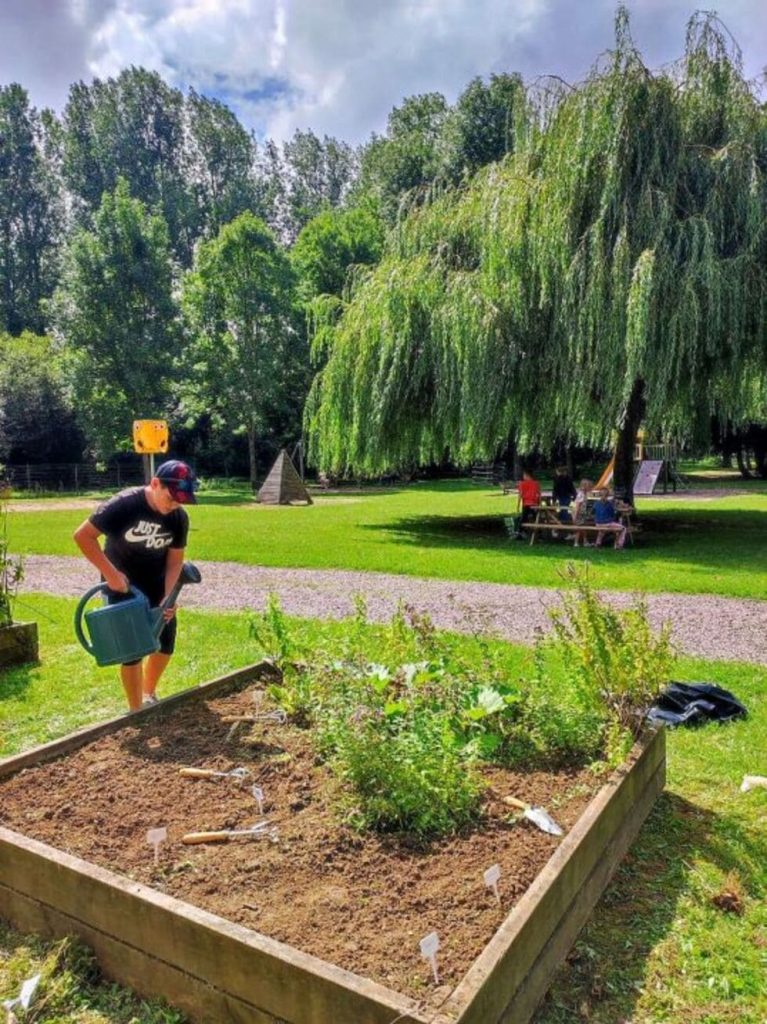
(323, 925)
(18, 644)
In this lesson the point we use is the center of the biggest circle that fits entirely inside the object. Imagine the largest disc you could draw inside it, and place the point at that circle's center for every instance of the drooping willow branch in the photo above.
(623, 242)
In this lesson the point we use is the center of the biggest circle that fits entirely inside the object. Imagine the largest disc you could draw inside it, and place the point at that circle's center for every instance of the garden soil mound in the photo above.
(360, 901)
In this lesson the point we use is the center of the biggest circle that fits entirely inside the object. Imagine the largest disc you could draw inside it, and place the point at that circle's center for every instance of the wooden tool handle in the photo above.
(197, 773)
(205, 837)
(229, 719)
(513, 802)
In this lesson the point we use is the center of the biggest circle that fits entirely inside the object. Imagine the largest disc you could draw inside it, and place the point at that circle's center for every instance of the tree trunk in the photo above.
(743, 463)
(623, 472)
(252, 456)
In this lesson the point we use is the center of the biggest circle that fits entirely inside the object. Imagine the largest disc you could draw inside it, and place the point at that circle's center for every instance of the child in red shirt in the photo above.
(528, 496)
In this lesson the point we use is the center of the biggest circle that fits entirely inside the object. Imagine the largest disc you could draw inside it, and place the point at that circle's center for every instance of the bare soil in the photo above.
(360, 901)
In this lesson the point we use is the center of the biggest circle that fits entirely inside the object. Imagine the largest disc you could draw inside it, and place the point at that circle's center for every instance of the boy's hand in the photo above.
(117, 581)
(168, 613)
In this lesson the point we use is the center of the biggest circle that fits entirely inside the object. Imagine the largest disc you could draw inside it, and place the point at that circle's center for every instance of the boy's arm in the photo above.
(86, 536)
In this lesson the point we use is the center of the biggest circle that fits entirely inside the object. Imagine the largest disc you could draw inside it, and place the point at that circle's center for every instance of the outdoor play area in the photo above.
(334, 875)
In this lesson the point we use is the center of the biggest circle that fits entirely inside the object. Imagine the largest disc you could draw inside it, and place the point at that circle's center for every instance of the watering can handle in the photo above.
(80, 632)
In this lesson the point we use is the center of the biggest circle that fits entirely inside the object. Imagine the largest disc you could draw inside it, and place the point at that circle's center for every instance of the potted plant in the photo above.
(18, 640)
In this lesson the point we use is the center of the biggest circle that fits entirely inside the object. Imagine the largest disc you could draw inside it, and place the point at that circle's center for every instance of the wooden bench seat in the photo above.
(570, 528)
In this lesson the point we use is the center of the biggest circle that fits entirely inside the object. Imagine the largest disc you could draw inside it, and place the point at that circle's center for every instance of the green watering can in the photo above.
(130, 629)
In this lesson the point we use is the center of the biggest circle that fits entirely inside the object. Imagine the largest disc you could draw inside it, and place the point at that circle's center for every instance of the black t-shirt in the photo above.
(563, 490)
(138, 538)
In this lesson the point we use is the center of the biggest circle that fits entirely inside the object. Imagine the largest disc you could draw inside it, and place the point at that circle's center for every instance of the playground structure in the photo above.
(654, 462)
(283, 485)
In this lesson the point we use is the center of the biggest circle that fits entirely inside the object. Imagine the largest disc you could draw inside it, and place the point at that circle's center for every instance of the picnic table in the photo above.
(547, 522)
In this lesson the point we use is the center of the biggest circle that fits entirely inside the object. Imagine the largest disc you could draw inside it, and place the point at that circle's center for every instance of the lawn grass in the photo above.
(455, 530)
(656, 949)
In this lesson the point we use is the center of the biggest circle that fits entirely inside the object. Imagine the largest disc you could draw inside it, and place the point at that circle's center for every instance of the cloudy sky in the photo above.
(336, 66)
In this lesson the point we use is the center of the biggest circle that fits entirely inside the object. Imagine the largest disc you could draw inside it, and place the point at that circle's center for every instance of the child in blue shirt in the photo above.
(606, 518)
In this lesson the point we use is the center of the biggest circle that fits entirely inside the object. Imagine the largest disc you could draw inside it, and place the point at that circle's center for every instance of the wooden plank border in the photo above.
(58, 748)
(508, 980)
(213, 969)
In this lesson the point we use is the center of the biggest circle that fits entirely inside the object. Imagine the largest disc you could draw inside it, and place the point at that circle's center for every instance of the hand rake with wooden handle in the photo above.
(209, 773)
(258, 831)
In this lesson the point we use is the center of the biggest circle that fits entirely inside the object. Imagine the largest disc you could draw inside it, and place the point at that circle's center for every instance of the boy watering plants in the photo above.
(146, 530)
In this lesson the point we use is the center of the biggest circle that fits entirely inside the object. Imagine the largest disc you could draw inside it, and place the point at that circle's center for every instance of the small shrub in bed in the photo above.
(611, 660)
(407, 733)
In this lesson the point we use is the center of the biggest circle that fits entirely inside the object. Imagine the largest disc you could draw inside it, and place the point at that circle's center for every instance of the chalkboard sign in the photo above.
(647, 476)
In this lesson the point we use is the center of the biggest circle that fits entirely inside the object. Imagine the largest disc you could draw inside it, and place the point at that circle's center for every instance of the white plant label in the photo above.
(25, 996)
(492, 876)
(429, 945)
(258, 796)
(154, 837)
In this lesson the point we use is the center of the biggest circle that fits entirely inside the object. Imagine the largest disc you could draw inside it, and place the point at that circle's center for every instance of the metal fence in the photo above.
(70, 476)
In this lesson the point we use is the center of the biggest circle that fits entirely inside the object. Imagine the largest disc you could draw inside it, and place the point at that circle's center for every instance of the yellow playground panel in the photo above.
(150, 437)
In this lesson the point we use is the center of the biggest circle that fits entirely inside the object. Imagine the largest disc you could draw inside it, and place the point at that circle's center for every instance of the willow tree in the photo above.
(609, 272)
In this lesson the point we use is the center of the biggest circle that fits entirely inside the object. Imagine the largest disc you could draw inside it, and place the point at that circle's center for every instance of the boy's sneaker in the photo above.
(149, 699)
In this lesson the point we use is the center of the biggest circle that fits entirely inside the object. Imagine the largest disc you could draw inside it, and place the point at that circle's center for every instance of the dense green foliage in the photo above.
(245, 352)
(610, 235)
(193, 167)
(37, 422)
(29, 212)
(612, 269)
(331, 245)
(116, 311)
(428, 142)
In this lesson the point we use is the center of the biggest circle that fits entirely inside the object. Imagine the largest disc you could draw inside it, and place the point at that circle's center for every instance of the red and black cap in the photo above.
(180, 481)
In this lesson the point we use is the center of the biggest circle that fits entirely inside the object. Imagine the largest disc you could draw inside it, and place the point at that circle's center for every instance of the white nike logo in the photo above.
(148, 534)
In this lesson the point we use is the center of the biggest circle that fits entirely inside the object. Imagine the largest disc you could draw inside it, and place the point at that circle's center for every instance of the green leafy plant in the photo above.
(11, 567)
(407, 733)
(294, 692)
(409, 775)
(614, 662)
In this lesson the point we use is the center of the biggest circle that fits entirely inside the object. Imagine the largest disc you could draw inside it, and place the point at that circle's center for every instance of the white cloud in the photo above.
(337, 66)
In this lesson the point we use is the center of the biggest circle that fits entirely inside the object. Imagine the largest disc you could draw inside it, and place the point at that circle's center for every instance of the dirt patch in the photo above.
(362, 902)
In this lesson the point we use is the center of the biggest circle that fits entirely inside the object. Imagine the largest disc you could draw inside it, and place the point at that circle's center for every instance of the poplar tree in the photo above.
(115, 314)
(611, 271)
(244, 360)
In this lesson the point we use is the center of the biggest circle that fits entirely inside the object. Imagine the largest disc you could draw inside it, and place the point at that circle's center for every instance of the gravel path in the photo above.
(711, 627)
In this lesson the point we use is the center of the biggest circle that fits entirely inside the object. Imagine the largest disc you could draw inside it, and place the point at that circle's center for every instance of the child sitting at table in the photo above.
(563, 493)
(528, 497)
(606, 518)
(580, 510)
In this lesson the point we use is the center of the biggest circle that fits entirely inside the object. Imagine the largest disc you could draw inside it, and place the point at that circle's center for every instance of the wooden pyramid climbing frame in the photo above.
(283, 485)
